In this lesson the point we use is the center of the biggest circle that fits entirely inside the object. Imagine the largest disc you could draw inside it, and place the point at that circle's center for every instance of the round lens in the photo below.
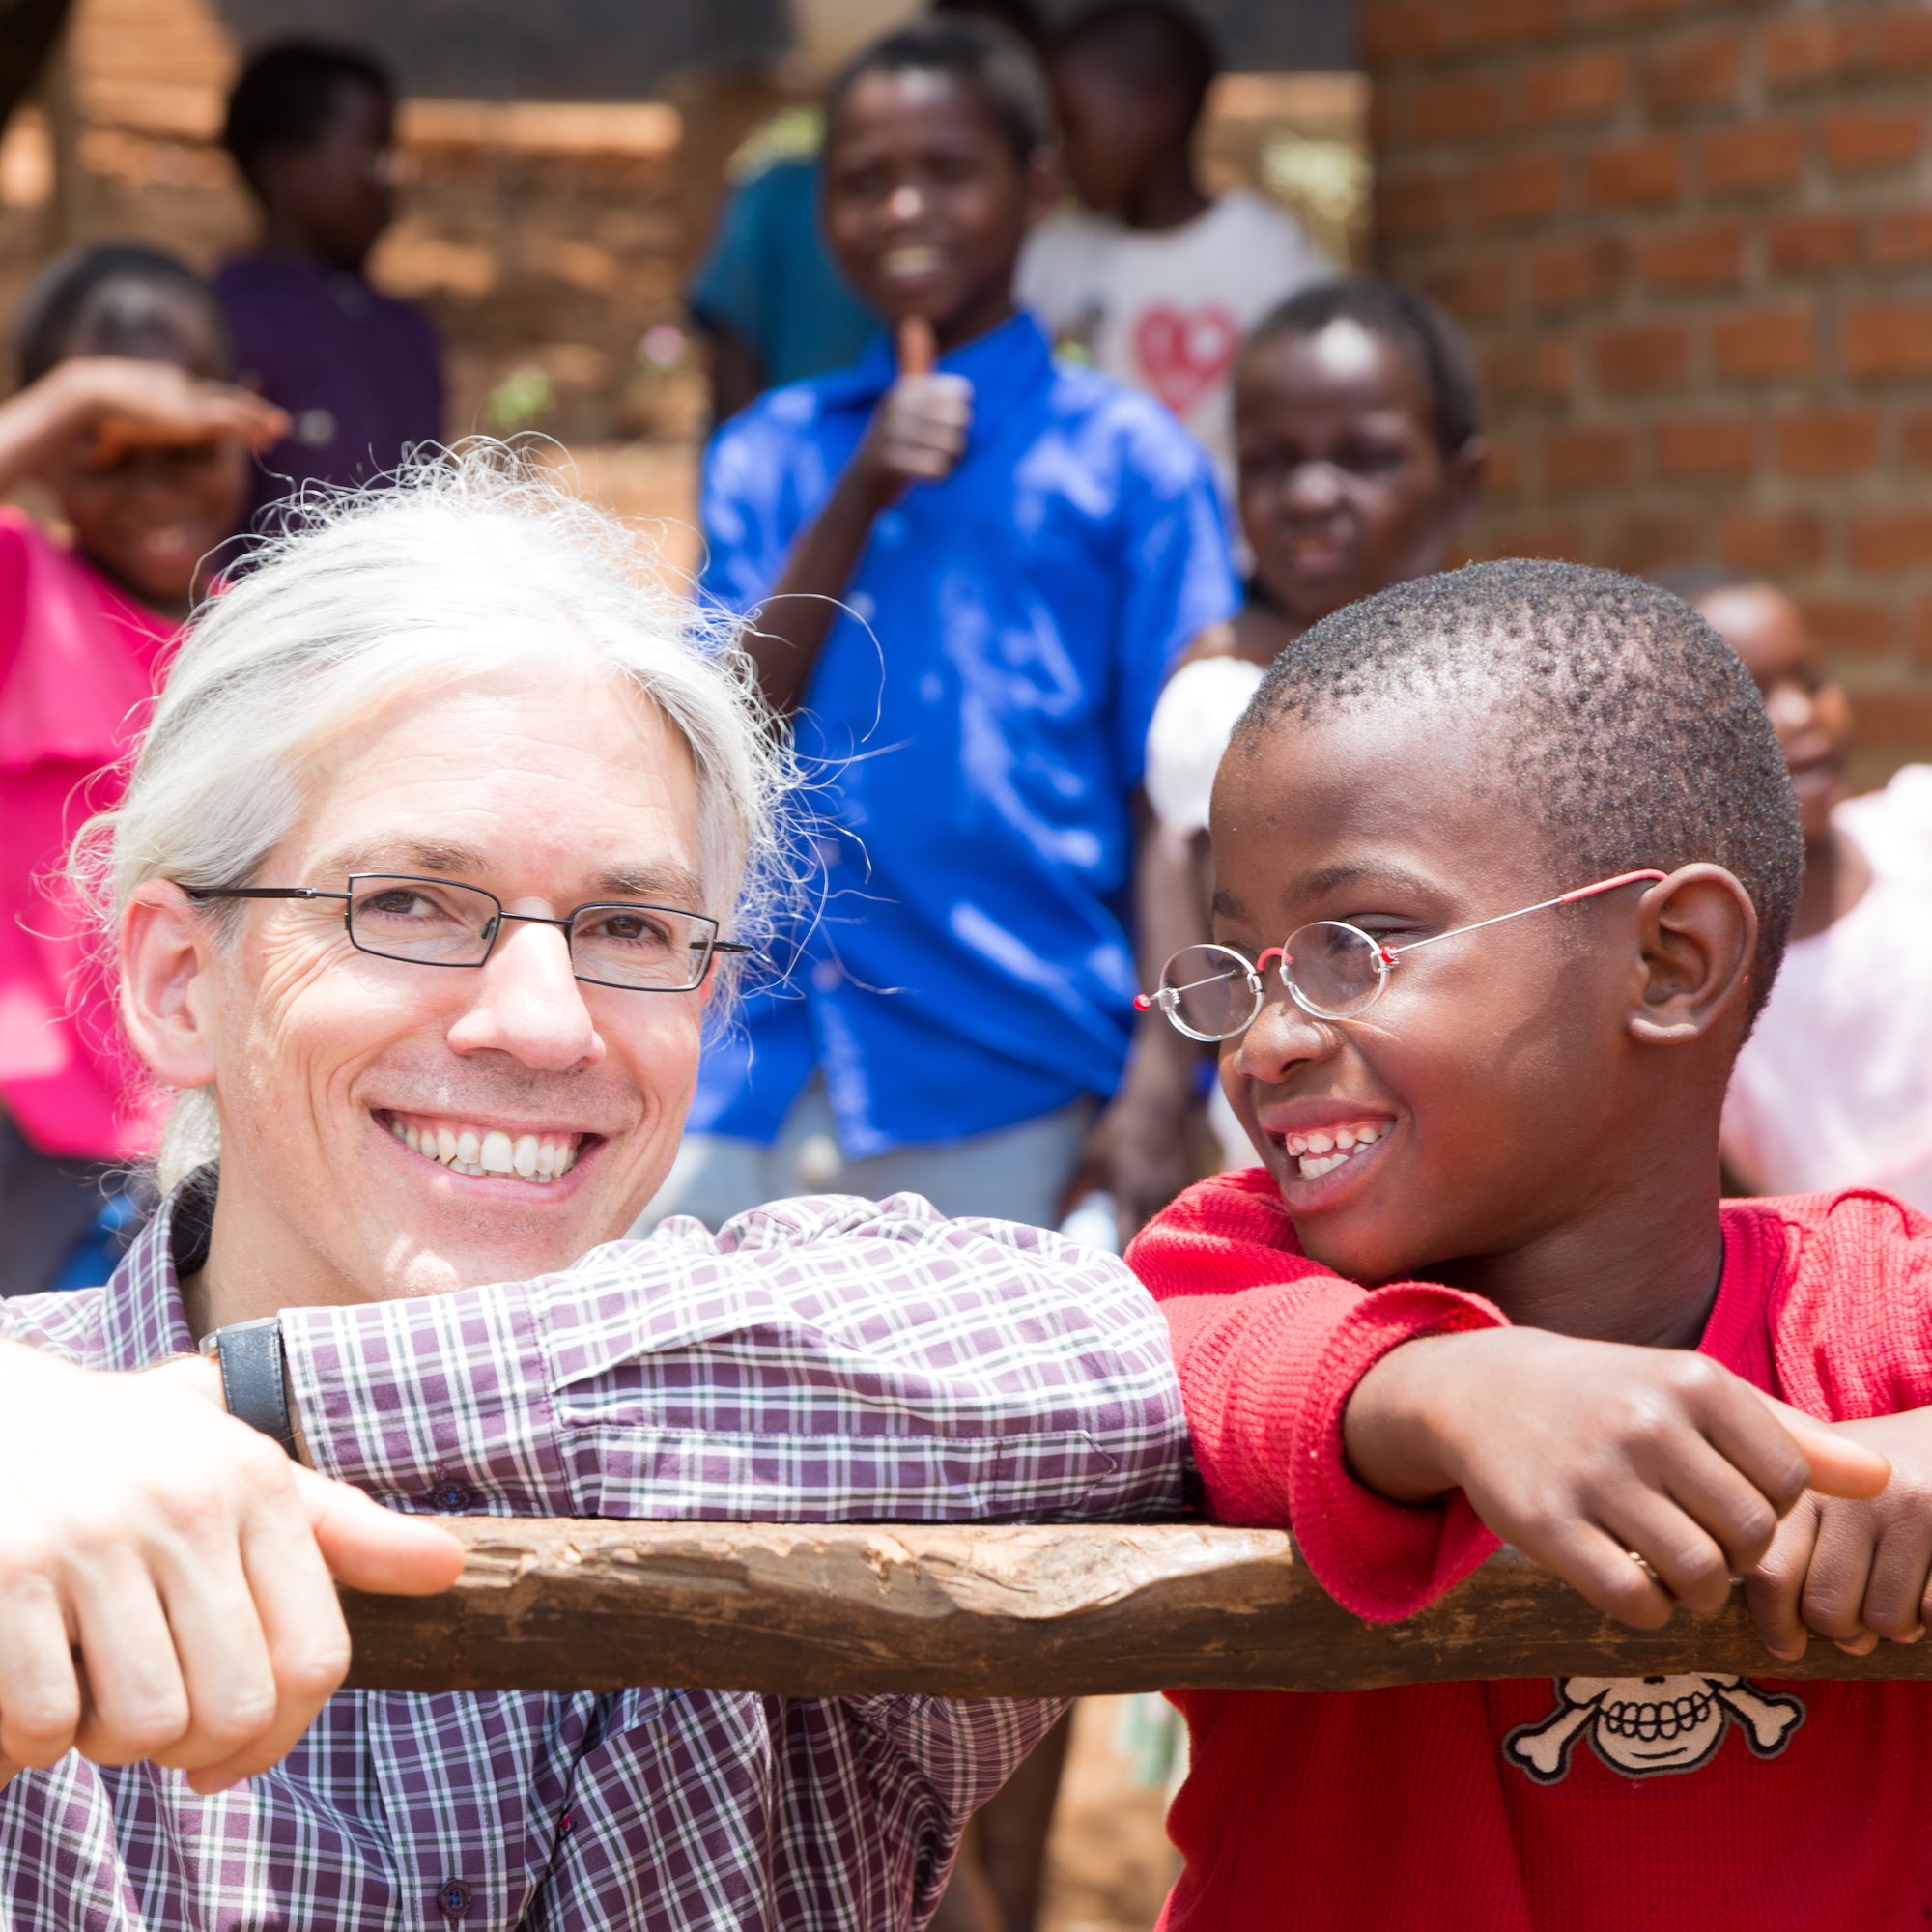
(1335, 969)
(1213, 994)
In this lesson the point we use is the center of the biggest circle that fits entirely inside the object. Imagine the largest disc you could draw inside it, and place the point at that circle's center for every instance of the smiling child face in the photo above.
(1492, 1073)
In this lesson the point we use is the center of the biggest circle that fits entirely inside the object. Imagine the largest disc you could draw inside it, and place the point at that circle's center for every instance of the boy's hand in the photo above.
(919, 431)
(127, 403)
(1643, 1477)
(170, 1597)
(1853, 1571)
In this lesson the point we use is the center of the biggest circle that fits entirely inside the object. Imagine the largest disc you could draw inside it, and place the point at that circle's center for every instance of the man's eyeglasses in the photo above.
(1330, 969)
(647, 948)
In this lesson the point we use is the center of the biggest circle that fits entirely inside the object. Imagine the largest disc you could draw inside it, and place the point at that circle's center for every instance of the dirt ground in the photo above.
(1108, 1864)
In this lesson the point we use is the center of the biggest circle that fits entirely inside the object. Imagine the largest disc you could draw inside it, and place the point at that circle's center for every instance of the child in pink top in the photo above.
(1835, 1086)
(122, 415)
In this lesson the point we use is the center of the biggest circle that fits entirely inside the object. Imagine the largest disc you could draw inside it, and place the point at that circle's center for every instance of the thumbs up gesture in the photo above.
(919, 431)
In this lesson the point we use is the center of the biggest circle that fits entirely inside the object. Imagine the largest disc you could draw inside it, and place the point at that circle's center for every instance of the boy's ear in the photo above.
(1468, 472)
(167, 984)
(1698, 930)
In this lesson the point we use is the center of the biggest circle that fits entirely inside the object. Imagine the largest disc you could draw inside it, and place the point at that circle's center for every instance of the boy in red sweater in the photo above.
(1481, 1287)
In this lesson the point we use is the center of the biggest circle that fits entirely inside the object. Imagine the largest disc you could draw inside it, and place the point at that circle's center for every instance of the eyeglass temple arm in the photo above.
(1391, 952)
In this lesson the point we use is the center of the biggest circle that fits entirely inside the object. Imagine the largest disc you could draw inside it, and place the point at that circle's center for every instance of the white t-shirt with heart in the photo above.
(1166, 312)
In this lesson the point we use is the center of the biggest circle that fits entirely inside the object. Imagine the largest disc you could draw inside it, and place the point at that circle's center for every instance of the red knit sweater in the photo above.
(1706, 1802)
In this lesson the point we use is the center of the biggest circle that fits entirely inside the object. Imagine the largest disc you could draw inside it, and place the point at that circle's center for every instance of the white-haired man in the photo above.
(419, 887)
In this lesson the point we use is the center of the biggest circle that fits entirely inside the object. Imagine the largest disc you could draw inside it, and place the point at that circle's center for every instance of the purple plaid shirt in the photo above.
(817, 1360)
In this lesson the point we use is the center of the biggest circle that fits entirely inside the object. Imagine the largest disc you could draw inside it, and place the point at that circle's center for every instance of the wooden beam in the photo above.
(961, 1610)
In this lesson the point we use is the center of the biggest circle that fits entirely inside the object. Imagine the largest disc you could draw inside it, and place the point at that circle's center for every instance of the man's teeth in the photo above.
(1327, 1147)
(538, 1158)
(911, 261)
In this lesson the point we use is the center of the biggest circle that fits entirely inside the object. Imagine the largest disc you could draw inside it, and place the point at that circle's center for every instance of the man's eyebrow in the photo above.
(404, 855)
(663, 882)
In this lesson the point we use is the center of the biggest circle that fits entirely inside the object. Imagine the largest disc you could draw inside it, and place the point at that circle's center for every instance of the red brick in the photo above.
(1860, 139)
(1541, 371)
(1644, 173)
(1576, 87)
(1499, 24)
(1577, 272)
(1514, 192)
(1393, 33)
(1885, 341)
(1758, 156)
(1532, 536)
(1892, 719)
(1650, 541)
(1914, 439)
(1641, 357)
(1699, 449)
(1415, 206)
(1811, 244)
(1901, 42)
(1457, 107)
(1881, 541)
(1849, 626)
(1776, 542)
(1690, 71)
(1474, 286)
(1587, 459)
(1826, 443)
(1502, 474)
(1921, 632)
(1699, 257)
(1901, 238)
(1631, 13)
(1810, 51)
(1765, 345)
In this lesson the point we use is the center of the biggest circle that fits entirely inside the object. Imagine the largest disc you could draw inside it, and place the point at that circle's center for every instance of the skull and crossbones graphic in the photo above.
(1643, 1725)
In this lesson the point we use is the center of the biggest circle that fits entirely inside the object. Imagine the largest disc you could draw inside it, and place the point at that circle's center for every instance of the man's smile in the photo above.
(538, 1155)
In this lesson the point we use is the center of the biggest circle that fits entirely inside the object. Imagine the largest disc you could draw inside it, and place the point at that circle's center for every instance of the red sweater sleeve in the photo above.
(1270, 1347)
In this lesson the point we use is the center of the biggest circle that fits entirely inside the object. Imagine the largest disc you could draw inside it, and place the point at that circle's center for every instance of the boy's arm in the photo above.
(918, 435)
(821, 1360)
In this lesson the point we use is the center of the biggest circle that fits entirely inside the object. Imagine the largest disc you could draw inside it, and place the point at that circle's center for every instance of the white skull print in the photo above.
(1644, 1725)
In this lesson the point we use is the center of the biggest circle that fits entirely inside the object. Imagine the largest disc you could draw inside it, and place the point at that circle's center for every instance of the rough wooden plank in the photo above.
(978, 1610)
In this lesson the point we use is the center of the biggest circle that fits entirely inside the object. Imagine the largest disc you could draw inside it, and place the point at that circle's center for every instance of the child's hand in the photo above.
(1853, 1571)
(1643, 1477)
(126, 402)
(918, 433)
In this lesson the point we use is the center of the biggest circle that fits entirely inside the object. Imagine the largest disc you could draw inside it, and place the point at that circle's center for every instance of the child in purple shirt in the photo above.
(311, 127)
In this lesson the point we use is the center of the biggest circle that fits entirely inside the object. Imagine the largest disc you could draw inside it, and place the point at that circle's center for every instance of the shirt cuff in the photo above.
(1381, 1561)
(439, 1405)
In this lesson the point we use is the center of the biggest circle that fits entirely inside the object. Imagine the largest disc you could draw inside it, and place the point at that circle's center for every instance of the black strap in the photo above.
(250, 1354)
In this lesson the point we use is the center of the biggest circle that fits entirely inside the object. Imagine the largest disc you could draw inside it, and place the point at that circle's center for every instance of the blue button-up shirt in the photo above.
(976, 723)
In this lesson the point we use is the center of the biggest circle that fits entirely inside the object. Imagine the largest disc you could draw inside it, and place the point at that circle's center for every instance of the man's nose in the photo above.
(527, 1003)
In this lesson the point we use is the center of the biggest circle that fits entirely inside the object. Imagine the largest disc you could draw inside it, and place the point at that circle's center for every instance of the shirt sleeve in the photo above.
(1270, 1347)
(1180, 573)
(744, 545)
(818, 1360)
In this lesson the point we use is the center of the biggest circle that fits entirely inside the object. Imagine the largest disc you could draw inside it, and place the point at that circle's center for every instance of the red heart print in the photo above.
(1182, 353)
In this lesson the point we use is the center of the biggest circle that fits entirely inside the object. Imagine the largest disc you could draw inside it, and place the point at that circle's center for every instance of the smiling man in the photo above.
(444, 836)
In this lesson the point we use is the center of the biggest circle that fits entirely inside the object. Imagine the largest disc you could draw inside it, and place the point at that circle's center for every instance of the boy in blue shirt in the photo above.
(972, 570)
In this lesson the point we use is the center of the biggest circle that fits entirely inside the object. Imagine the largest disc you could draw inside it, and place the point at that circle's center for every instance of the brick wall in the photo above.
(1693, 242)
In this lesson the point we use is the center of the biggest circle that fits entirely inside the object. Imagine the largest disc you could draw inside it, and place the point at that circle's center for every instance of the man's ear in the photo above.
(1698, 932)
(167, 986)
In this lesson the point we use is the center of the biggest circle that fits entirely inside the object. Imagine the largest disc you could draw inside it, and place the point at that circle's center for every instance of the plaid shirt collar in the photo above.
(142, 1320)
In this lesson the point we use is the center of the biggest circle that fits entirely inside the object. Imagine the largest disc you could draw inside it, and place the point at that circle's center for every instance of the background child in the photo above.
(1483, 1287)
(1834, 1089)
(124, 413)
(1153, 278)
(311, 127)
(1359, 426)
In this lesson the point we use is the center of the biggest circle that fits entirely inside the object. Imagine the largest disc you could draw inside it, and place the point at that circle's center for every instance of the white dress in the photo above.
(1835, 1086)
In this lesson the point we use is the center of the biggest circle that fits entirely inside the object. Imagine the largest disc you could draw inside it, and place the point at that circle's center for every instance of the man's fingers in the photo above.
(39, 1694)
(1840, 1466)
(136, 1703)
(222, 1652)
(917, 348)
(369, 1547)
(1774, 1588)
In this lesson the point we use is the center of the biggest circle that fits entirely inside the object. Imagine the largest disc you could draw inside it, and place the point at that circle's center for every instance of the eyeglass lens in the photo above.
(1334, 971)
(442, 924)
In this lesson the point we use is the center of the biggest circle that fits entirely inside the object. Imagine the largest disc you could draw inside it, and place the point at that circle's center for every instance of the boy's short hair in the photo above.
(1419, 331)
(991, 62)
(1634, 733)
(1150, 46)
(111, 299)
(287, 94)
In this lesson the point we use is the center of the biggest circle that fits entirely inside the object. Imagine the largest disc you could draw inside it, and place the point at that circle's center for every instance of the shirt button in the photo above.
(454, 1898)
(451, 1496)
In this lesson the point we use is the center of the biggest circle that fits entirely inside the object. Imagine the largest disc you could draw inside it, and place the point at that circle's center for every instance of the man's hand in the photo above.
(918, 433)
(165, 1574)
(1853, 1571)
(1589, 1456)
(126, 402)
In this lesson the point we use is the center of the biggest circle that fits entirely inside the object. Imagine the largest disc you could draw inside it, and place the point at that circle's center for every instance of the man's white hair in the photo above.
(474, 560)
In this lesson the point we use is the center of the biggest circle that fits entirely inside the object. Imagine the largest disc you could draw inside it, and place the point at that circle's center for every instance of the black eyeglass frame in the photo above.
(564, 923)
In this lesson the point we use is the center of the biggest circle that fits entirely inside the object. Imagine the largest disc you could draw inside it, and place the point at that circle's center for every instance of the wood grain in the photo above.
(974, 1610)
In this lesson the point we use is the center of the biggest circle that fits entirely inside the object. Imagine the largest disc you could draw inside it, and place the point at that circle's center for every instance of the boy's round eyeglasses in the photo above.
(644, 948)
(1332, 970)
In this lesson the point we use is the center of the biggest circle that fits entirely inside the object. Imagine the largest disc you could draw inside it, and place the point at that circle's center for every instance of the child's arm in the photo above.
(126, 401)
(918, 435)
